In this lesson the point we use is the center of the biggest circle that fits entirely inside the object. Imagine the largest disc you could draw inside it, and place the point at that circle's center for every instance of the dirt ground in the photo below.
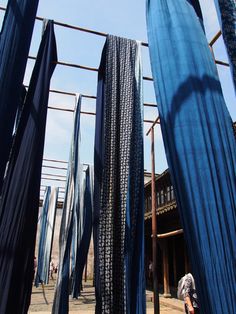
(42, 299)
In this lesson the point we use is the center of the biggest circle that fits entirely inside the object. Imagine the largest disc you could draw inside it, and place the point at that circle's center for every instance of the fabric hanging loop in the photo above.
(47, 223)
(70, 208)
(118, 189)
(200, 147)
(226, 11)
(15, 41)
(84, 231)
(20, 194)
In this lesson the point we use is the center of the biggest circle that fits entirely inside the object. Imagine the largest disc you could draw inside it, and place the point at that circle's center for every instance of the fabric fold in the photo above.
(226, 10)
(200, 147)
(84, 232)
(19, 203)
(70, 212)
(47, 224)
(15, 41)
(118, 190)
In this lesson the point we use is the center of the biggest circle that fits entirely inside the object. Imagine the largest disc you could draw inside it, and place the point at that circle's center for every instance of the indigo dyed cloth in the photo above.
(15, 41)
(20, 194)
(70, 207)
(83, 233)
(226, 10)
(200, 147)
(118, 170)
(47, 224)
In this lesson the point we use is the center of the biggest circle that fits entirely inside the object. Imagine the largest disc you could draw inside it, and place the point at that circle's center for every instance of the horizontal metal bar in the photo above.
(53, 167)
(154, 123)
(53, 175)
(222, 63)
(89, 113)
(55, 160)
(83, 67)
(52, 179)
(170, 234)
(214, 39)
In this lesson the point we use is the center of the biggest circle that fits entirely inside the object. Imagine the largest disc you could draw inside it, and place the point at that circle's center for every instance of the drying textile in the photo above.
(83, 232)
(20, 194)
(70, 207)
(118, 170)
(200, 147)
(15, 41)
(47, 223)
(226, 10)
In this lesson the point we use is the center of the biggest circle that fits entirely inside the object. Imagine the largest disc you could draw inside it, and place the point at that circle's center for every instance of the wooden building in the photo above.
(172, 257)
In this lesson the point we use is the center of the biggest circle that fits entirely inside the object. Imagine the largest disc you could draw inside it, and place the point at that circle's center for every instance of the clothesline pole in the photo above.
(66, 93)
(89, 113)
(215, 38)
(157, 121)
(154, 231)
(78, 28)
(55, 160)
(83, 67)
(54, 167)
(53, 179)
(102, 34)
(53, 175)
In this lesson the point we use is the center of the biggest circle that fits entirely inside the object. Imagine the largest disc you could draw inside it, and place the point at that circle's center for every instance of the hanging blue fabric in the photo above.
(76, 235)
(15, 41)
(84, 231)
(200, 147)
(118, 189)
(70, 207)
(226, 10)
(20, 194)
(47, 223)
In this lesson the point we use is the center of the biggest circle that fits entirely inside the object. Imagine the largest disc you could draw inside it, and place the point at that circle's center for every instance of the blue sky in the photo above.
(123, 18)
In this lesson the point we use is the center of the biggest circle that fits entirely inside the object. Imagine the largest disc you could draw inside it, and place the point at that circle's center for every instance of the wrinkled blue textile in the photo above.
(226, 10)
(20, 194)
(70, 207)
(200, 147)
(118, 181)
(47, 223)
(15, 41)
(76, 236)
(84, 231)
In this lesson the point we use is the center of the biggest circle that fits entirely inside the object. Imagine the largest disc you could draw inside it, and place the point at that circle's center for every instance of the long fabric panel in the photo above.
(226, 10)
(70, 207)
(47, 223)
(20, 195)
(15, 41)
(84, 231)
(200, 147)
(76, 237)
(118, 162)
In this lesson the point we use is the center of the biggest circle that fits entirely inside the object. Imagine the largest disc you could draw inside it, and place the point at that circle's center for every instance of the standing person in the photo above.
(51, 269)
(35, 265)
(150, 269)
(190, 296)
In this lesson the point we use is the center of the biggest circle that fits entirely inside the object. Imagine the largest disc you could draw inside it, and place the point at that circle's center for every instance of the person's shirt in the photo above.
(190, 290)
(51, 266)
(150, 266)
(35, 263)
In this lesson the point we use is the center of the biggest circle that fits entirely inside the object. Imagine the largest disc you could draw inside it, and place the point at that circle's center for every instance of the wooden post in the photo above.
(154, 231)
(174, 263)
(166, 269)
(186, 268)
(85, 270)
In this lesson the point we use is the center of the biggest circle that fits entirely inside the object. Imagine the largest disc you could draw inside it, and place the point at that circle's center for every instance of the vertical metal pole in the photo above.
(154, 231)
